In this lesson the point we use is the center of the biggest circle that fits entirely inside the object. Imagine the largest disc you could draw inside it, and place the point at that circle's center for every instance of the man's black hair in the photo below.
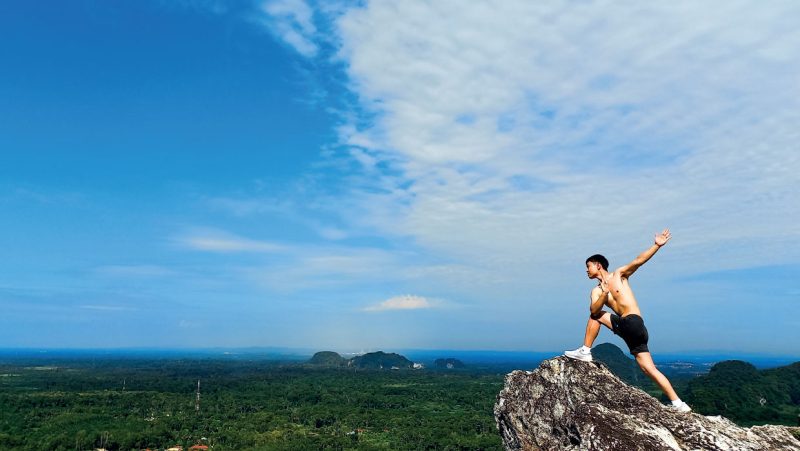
(597, 258)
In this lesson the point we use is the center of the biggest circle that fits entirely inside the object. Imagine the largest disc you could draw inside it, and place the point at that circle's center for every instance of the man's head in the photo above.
(594, 264)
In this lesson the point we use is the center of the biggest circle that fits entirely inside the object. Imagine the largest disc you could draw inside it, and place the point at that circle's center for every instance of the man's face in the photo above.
(592, 269)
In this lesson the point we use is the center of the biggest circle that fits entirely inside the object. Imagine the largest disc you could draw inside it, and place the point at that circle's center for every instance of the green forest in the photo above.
(126, 403)
(740, 392)
(129, 404)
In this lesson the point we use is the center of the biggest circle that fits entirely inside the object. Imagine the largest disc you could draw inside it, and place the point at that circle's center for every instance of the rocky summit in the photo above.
(573, 405)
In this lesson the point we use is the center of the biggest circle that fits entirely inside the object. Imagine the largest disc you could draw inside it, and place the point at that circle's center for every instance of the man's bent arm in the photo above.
(660, 240)
(598, 302)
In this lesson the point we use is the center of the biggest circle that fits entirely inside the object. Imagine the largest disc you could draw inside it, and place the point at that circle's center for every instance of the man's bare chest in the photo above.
(618, 289)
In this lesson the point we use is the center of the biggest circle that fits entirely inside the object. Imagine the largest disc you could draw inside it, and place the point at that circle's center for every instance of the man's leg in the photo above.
(592, 330)
(645, 361)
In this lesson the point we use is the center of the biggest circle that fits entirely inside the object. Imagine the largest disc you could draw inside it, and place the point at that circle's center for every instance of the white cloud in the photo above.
(405, 302)
(523, 132)
(218, 241)
(292, 21)
(497, 144)
(309, 268)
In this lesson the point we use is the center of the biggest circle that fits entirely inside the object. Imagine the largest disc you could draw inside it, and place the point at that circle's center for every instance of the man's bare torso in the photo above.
(620, 296)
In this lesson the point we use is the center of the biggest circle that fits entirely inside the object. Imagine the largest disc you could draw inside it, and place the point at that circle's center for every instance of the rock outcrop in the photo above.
(573, 405)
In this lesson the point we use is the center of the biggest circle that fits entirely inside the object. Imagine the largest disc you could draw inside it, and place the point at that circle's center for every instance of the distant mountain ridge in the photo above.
(374, 360)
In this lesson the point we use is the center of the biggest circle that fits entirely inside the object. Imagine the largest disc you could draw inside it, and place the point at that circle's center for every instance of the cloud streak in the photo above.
(224, 242)
(292, 22)
(135, 271)
(405, 302)
(106, 308)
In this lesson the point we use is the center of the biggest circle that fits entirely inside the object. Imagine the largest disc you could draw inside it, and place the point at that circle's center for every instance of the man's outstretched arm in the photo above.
(659, 240)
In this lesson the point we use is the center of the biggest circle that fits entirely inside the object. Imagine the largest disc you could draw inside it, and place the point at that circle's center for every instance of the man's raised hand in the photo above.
(662, 238)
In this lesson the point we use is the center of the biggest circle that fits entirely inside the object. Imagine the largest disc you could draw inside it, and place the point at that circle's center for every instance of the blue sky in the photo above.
(379, 175)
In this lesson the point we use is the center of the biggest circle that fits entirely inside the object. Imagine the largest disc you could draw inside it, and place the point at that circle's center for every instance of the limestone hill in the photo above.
(745, 394)
(380, 360)
(327, 358)
(374, 360)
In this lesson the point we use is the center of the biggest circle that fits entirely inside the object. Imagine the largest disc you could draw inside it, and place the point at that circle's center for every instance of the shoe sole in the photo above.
(675, 409)
(578, 358)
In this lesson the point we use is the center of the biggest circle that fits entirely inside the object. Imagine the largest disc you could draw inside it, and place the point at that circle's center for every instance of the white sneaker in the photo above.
(682, 407)
(579, 354)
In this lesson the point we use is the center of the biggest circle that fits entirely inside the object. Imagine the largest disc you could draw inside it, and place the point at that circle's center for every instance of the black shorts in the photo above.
(631, 329)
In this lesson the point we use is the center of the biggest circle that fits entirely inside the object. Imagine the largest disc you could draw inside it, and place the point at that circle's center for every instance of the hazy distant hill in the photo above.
(377, 360)
(739, 391)
(621, 365)
(380, 359)
(327, 358)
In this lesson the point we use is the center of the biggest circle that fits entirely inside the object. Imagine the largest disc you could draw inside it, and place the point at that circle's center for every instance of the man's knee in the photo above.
(647, 365)
(603, 318)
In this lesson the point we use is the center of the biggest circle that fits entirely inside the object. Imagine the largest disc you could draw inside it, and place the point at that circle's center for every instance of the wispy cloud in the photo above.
(38, 195)
(485, 149)
(494, 146)
(143, 271)
(306, 215)
(107, 308)
(246, 206)
(212, 6)
(311, 268)
(538, 130)
(405, 302)
(219, 241)
(492, 142)
(292, 21)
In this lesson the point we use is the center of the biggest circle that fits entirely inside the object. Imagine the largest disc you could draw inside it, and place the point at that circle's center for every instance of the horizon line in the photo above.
(302, 350)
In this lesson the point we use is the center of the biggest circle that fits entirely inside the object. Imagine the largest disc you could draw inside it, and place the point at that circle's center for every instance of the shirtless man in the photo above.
(614, 290)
